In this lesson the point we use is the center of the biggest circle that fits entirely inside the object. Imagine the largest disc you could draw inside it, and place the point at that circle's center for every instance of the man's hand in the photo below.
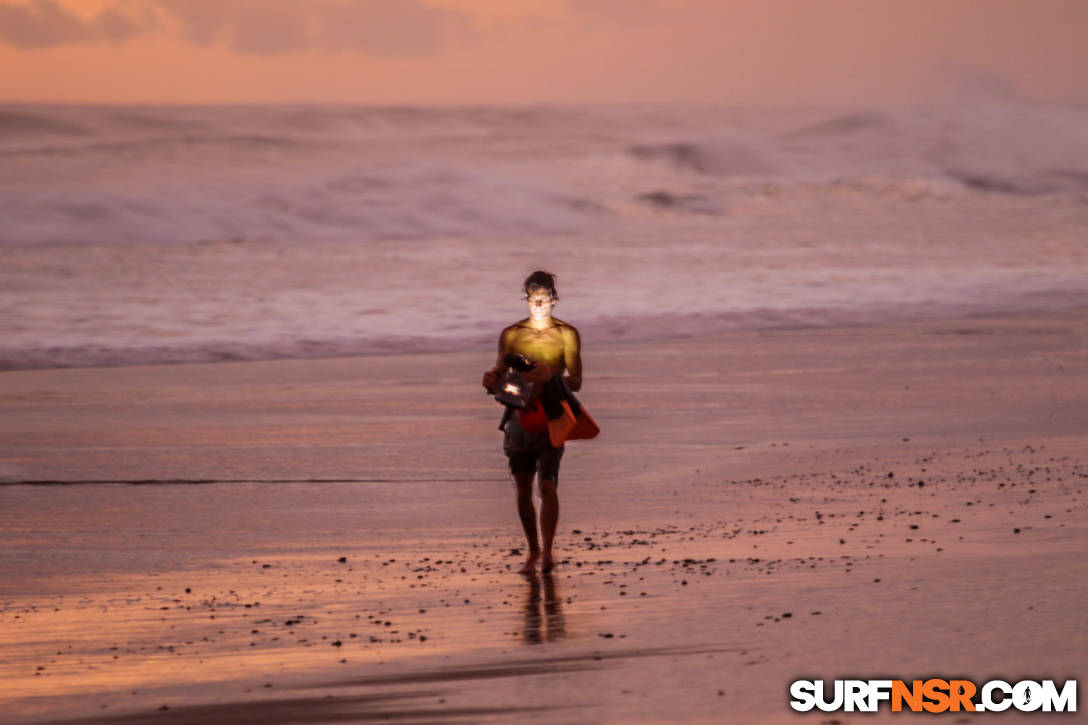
(491, 378)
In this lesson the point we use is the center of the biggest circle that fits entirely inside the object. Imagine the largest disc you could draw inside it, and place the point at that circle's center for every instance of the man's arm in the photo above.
(572, 357)
(491, 377)
(505, 339)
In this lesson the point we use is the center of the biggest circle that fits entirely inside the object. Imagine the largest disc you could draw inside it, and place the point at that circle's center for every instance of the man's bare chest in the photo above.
(540, 345)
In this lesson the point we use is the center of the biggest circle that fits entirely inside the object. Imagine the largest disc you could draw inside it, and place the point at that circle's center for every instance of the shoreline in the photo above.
(609, 330)
(739, 477)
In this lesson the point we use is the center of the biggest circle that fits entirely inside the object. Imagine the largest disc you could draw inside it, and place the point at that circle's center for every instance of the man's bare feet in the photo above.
(530, 565)
(546, 564)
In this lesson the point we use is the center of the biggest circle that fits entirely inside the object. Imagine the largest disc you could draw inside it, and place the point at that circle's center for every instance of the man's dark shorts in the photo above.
(531, 453)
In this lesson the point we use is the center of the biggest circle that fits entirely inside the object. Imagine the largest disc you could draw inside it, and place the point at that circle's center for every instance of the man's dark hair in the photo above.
(541, 280)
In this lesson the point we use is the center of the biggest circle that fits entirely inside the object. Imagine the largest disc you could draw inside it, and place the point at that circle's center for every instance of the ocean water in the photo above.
(169, 234)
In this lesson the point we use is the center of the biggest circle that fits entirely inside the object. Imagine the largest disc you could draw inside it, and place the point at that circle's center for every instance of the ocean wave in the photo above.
(229, 142)
(406, 201)
(667, 200)
(844, 125)
(1008, 149)
(1049, 181)
(600, 329)
(720, 156)
(19, 124)
(209, 351)
(101, 174)
(146, 120)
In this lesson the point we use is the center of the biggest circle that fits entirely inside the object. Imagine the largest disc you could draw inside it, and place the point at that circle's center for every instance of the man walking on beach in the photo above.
(554, 347)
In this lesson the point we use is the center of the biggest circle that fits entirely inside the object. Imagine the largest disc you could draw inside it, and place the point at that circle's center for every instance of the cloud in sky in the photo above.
(370, 27)
(514, 51)
(44, 23)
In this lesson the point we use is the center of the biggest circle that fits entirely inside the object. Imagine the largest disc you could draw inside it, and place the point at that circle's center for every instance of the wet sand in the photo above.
(335, 540)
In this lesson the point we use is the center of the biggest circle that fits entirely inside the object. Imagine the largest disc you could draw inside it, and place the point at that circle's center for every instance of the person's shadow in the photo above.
(544, 620)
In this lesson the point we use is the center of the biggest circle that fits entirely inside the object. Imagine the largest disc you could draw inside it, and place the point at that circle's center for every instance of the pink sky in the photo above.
(527, 51)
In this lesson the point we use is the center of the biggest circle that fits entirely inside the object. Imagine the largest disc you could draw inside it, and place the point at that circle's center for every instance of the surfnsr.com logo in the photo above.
(933, 695)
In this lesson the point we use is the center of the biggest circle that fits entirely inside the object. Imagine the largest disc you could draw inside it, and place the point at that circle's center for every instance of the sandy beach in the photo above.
(303, 541)
(828, 268)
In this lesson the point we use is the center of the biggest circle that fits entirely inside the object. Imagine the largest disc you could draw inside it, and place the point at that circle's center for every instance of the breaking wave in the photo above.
(394, 202)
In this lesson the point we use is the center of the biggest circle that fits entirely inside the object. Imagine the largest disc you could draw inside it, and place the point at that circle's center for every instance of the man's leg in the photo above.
(527, 514)
(549, 519)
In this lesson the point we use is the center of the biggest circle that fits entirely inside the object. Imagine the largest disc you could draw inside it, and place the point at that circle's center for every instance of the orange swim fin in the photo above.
(568, 427)
(584, 427)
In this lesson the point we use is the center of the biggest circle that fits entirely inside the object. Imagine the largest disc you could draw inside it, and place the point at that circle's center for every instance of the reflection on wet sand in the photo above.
(548, 625)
